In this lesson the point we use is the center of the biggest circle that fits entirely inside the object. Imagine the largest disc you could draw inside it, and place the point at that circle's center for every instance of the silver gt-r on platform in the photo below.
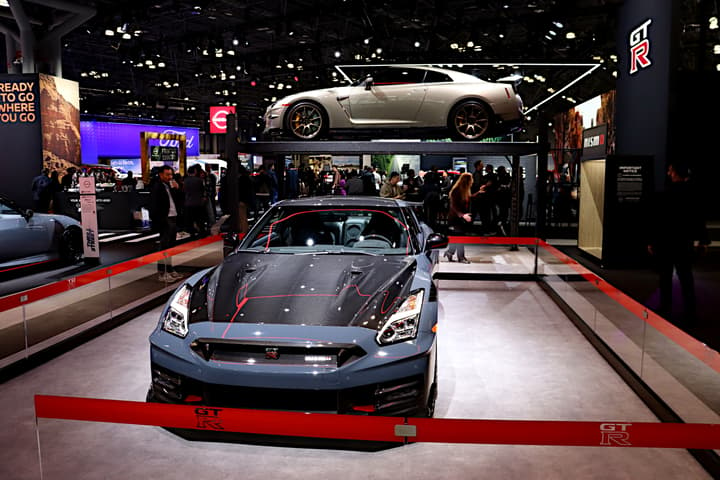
(30, 238)
(397, 100)
(327, 305)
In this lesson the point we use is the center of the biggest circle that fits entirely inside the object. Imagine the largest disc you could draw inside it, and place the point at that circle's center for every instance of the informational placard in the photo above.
(167, 155)
(88, 217)
(628, 188)
(629, 180)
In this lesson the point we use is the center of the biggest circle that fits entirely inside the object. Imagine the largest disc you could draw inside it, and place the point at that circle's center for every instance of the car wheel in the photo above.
(305, 121)
(71, 249)
(470, 120)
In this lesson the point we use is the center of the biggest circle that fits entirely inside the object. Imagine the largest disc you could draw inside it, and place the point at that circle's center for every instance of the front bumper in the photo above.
(402, 397)
(397, 383)
(273, 119)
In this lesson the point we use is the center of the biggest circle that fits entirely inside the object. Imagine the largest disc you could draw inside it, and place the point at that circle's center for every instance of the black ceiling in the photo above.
(294, 43)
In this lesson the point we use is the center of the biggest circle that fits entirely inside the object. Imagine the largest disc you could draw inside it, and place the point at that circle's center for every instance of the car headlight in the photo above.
(176, 316)
(403, 324)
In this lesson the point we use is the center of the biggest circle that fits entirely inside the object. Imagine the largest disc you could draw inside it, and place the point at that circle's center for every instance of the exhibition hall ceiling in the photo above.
(170, 60)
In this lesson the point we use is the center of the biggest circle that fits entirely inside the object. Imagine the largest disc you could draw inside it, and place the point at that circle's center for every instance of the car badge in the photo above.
(272, 353)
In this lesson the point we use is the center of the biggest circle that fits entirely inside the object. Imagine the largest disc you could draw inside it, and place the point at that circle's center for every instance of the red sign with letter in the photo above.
(218, 118)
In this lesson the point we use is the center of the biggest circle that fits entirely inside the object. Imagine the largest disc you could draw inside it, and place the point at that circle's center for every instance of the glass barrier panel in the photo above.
(198, 258)
(484, 258)
(61, 316)
(619, 329)
(89, 451)
(12, 336)
(679, 376)
(134, 287)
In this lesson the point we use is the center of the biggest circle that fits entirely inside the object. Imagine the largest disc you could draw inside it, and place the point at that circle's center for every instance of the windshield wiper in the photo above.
(338, 252)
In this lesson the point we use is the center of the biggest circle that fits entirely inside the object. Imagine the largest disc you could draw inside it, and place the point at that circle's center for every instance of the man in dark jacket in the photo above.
(676, 224)
(163, 214)
(195, 203)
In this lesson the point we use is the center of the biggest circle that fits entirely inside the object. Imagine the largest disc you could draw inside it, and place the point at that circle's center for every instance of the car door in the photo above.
(393, 98)
(21, 237)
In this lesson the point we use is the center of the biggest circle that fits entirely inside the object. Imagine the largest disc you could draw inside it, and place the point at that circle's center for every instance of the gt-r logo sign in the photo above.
(640, 47)
(218, 118)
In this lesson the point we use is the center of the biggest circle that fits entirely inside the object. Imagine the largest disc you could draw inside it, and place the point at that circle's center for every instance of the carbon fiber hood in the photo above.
(336, 290)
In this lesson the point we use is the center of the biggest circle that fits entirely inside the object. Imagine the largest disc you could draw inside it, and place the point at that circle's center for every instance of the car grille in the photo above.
(256, 353)
(402, 397)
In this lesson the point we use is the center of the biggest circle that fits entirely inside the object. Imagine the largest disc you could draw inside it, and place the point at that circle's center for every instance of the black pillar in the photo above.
(231, 182)
(542, 171)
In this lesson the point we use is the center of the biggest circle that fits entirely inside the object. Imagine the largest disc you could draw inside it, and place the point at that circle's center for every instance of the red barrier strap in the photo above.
(15, 300)
(370, 428)
(294, 424)
(494, 240)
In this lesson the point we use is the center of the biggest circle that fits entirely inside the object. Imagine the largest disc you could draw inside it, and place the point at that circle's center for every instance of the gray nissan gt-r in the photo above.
(327, 305)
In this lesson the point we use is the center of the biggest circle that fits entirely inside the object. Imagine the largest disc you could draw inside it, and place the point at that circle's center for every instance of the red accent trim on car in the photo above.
(240, 303)
(25, 266)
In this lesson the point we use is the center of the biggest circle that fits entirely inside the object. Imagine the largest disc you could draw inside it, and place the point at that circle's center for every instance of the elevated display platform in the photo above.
(389, 147)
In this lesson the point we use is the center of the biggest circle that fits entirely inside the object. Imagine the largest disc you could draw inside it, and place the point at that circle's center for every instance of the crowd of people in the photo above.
(454, 202)
(202, 196)
(489, 205)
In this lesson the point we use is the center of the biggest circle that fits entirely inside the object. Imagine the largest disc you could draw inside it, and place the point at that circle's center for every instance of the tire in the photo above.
(305, 121)
(71, 247)
(432, 398)
(470, 120)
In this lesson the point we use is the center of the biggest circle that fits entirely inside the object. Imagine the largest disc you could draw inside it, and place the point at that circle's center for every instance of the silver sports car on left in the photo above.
(29, 238)
(392, 100)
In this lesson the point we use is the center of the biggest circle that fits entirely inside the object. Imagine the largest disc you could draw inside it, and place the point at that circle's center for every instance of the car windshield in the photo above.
(297, 230)
(7, 208)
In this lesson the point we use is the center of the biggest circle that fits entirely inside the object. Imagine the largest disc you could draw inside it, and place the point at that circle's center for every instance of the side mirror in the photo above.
(368, 83)
(28, 214)
(435, 241)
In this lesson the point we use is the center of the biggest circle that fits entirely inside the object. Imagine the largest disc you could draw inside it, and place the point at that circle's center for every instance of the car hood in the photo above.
(63, 220)
(337, 290)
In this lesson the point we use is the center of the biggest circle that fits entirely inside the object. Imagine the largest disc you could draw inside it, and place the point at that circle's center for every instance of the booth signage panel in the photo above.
(594, 145)
(122, 140)
(646, 45)
(88, 215)
(20, 135)
(218, 118)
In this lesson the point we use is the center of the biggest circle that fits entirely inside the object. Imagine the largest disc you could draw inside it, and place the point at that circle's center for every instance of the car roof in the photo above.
(454, 74)
(337, 201)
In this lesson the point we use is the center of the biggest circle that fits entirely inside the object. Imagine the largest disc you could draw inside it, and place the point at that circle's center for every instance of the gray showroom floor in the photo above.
(505, 352)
